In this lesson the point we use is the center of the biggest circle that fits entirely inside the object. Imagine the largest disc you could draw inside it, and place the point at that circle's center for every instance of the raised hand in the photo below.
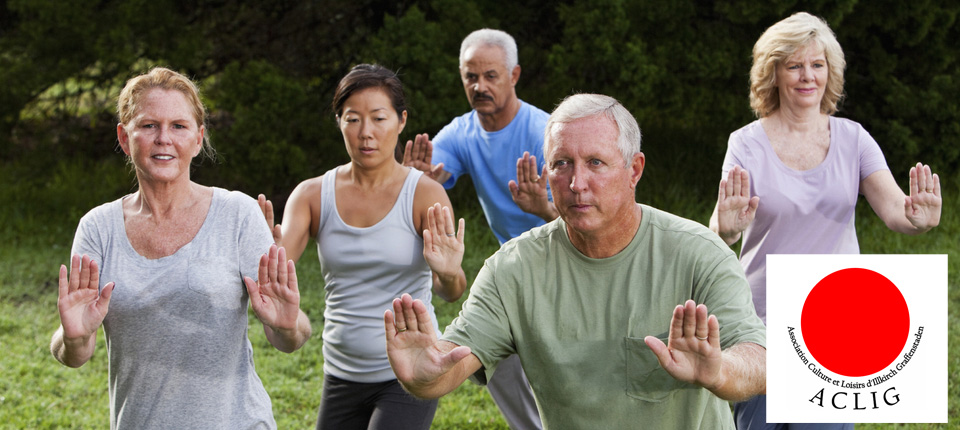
(418, 154)
(692, 353)
(735, 208)
(442, 244)
(922, 207)
(275, 296)
(81, 304)
(417, 358)
(266, 206)
(529, 191)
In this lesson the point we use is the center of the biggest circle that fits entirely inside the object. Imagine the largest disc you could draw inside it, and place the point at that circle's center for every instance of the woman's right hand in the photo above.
(735, 208)
(81, 304)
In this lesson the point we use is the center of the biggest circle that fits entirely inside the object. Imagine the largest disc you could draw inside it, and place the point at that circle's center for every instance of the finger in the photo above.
(269, 212)
(676, 323)
(64, 282)
(914, 182)
(461, 231)
(737, 183)
(454, 356)
(75, 262)
(388, 325)
(277, 233)
(84, 272)
(928, 178)
(424, 322)
(689, 318)
(253, 289)
(407, 156)
(744, 183)
(936, 184)
(713, 331)
(282, 266)
(514, 189)
(94, 275)
(262, 270)
(436, 169)
(398, 322)
(543, 174)
(431, 219)
(271, 266)
(409, 314)
(752, 206)
(702, 330)
(722, 193)
(262, 202)
(448, 221)
(521, 171)
(292, 277)
(427, 149)
(104, 303)
(659, 349)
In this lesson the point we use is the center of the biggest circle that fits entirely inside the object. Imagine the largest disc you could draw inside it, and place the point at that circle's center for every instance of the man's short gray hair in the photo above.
(580, 106)
(491, 37)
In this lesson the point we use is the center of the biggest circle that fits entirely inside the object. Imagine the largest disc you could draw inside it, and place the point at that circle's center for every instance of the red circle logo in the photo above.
(855, 322)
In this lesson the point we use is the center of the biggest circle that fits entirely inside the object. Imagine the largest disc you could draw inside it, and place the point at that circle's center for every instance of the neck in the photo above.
(498, 120)
(611, 240)
(164, 200)
(799, 120)
(376, 176)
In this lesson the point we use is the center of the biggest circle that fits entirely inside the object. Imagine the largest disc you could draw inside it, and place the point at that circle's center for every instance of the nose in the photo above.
(578, 182)
(806, 74)
(164, 136)
(366, 129)
(479, 86)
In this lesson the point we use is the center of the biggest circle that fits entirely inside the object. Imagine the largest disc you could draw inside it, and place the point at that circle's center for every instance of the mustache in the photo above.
(480, 96)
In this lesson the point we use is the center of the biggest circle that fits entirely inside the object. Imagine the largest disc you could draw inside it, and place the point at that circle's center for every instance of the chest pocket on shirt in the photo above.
(646, 379)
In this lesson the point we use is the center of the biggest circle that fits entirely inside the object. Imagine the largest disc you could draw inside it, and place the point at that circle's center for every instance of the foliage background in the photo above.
(268, 70)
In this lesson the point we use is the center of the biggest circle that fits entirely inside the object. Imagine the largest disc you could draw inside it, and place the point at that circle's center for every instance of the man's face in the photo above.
(592, 187)
(486, 80)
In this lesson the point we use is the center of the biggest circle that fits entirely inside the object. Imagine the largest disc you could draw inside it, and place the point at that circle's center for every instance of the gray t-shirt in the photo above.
(176, 328)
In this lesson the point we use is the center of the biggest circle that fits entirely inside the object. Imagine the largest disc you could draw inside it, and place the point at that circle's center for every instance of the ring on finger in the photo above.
(401, 330)
(450, 235)
(700, 338)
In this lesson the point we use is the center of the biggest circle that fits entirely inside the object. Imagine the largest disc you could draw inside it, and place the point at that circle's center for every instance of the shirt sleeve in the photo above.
(88, 241)
(483, 325)
(732, 157)
(446, 151)
(871, 157)
(254, 238)
(722, 287)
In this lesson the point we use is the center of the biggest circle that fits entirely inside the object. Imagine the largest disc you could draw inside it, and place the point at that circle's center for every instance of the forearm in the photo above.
(290, 340)
(450, 287)
(728, 237)
(72, 352)
(744, 373)
(549, 212)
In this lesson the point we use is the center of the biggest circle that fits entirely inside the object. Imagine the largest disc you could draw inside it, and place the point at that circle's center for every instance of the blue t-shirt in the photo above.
(490, 158)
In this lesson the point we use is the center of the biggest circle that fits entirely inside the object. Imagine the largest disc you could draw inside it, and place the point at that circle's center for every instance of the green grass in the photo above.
(36, 229)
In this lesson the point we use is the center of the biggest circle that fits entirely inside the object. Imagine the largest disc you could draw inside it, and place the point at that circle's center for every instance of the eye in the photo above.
(491, 76)
(793, 67)
(381, 118)
(147, 125)
(596, 162)
(179, 126)
(558, 164)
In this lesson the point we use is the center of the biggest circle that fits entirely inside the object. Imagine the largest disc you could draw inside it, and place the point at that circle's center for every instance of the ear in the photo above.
(403, 121)
(199, 148)
(123, 138)
(636, 168)
(515, 75)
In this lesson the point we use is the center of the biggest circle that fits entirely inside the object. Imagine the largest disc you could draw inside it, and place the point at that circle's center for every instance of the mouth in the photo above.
(806, 90)
(367, 150)
(162, 157)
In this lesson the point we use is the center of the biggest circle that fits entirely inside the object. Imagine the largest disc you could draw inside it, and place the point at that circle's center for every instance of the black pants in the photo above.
(346, 405)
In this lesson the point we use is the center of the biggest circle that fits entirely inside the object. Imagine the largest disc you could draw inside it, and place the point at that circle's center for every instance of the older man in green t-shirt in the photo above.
(601, 304)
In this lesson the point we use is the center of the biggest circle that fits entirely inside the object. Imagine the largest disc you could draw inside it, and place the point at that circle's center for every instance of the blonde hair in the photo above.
(780, 42)
(128, 104)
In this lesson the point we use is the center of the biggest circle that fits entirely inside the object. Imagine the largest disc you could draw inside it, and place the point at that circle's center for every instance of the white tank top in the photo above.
(364, 269)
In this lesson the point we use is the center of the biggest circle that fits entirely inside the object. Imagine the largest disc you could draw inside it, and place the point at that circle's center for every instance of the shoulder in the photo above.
(748, 133)
(456, 127)
(534, 117)
(235, 203)
(102, 214)
(428, 192)
(688, 236)
(536, 241)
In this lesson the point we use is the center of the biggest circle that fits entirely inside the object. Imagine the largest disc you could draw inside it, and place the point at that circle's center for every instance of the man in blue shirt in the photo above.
(500, 145)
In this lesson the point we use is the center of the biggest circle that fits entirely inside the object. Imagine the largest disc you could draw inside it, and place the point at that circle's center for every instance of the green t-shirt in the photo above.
(578, 323)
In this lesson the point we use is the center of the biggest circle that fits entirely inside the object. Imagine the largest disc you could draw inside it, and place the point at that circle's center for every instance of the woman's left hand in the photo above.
(442, 244)
(922, 206)
(275, 297)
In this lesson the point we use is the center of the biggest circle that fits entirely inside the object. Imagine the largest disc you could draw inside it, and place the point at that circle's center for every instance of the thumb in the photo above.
(659, 349)
(454, 356)
(105, 294)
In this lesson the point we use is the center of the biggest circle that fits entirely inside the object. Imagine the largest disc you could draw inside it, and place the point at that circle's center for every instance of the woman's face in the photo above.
(370, 126)
(802, 79)
(163, 136)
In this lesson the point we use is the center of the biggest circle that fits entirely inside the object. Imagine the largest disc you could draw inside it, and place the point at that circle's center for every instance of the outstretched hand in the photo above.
(81, 303)
(693, 352)
(412, 346)
(735, 208)
(266, 206)
(922, 207)
(442, 244)
(275, 296)
(418, 154)
(529, 191)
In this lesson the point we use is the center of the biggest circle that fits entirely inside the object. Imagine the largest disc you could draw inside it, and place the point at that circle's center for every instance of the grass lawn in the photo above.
(36, 392)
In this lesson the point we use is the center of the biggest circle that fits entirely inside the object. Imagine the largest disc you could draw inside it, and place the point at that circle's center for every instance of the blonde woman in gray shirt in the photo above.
(163, 270)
